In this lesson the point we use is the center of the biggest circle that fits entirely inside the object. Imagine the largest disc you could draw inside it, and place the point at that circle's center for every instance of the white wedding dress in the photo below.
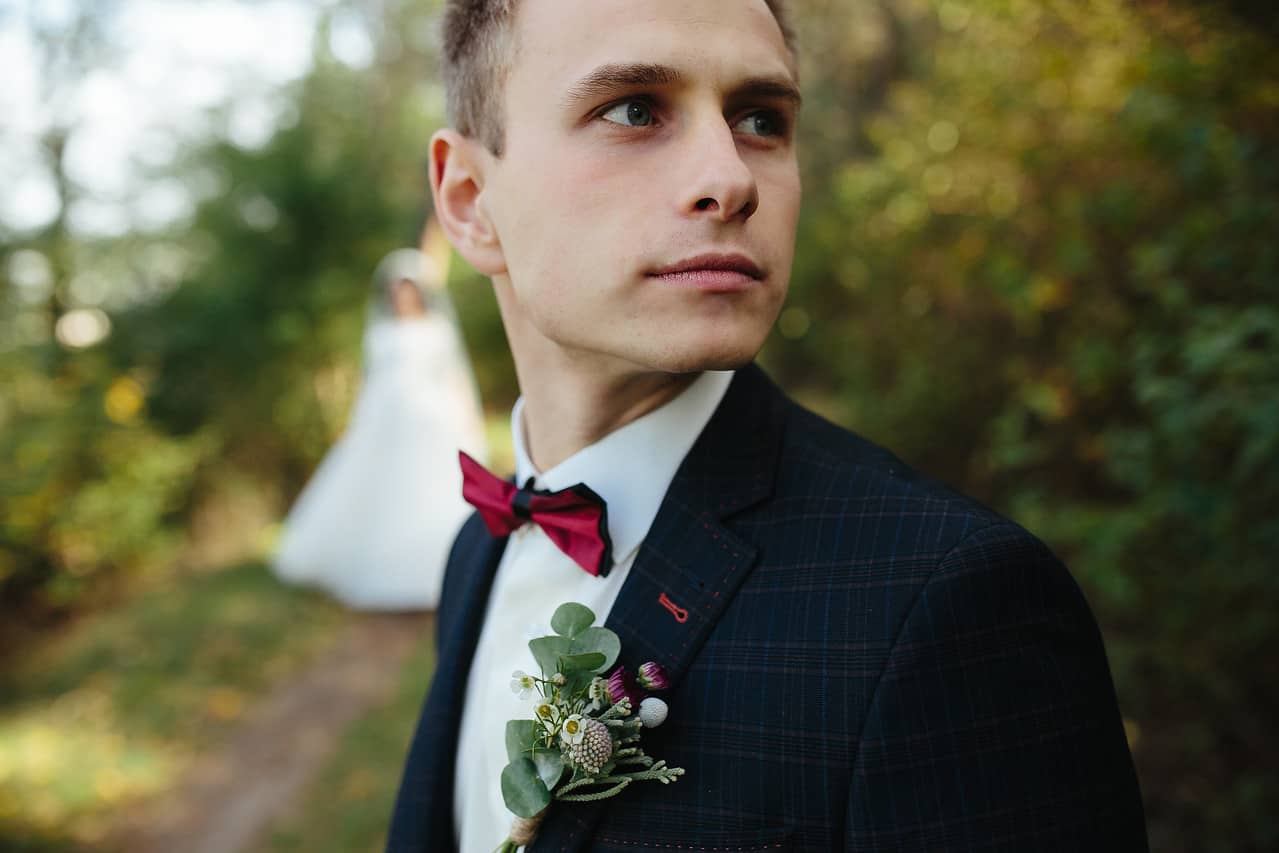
(374, 524)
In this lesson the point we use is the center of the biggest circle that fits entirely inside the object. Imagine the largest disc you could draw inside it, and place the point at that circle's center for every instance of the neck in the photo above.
(572, 399)
(564, 414)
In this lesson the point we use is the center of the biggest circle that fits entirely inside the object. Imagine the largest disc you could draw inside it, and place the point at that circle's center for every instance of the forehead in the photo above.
(560, 41)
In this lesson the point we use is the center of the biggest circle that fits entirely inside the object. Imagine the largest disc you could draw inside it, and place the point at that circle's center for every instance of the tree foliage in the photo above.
(234, 345)
(1050, 277)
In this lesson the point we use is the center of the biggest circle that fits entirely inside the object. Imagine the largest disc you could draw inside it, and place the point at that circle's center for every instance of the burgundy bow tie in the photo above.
(575, 519)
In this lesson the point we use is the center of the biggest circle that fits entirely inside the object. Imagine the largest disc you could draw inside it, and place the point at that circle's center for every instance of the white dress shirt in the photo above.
(631, 469)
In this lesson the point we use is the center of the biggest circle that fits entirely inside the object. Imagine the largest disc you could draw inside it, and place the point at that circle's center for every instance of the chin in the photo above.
(708, 355)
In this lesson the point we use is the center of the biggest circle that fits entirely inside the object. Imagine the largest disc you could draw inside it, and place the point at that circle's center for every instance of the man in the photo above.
(861, 659)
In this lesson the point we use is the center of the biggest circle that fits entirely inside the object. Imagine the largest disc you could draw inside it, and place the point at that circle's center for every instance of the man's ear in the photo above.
(457, 185)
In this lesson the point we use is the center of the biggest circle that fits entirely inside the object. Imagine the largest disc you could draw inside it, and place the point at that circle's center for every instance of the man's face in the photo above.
(648, 193)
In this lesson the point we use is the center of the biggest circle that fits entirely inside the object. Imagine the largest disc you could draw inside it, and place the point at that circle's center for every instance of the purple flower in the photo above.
(622, 685)
(652, 676)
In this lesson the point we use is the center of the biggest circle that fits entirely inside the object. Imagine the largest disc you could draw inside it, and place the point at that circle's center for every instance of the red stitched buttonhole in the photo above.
(680, 614)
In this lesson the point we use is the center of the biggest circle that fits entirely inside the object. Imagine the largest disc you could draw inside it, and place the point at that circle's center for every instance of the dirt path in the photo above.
(230, 797)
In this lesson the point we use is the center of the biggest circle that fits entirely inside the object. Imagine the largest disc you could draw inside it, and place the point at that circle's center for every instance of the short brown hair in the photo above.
(478, 52)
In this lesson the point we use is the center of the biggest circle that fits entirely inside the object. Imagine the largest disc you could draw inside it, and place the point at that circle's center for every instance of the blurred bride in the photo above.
(374, 524)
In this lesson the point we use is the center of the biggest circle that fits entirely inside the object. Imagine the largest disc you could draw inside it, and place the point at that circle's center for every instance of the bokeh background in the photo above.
(1039, 260)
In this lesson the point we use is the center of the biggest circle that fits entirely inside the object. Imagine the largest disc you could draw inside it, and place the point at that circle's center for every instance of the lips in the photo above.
(712, 263)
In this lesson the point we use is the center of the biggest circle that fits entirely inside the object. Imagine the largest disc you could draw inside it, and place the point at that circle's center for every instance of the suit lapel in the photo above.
(458, 643)
(424, 811)
(690, 564)
(475, 580)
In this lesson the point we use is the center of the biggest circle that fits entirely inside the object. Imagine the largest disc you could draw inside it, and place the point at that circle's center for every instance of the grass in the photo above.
(347, 807)
(101, 718)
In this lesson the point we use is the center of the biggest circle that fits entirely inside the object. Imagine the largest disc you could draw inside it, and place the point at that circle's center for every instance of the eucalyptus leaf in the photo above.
(521, 738)
(571, 619)
(585, 662)
(550, 767)
(548, 650)
(600, 640)
(523, 790)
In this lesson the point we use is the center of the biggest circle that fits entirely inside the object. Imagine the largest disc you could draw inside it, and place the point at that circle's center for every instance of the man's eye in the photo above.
(630, 114)
(761, 124)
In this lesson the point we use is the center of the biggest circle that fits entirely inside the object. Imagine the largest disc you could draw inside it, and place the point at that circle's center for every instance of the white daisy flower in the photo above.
(522, 684)
(547, 712)
(573, 730)
(598, 693)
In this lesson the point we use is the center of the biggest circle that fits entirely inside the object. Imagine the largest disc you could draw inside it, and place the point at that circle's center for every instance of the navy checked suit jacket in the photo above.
(869, 662)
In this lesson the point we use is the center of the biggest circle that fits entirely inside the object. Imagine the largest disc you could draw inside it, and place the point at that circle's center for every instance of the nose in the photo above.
(720, 184)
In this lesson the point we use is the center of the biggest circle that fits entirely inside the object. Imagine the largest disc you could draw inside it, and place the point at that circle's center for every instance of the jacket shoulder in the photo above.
(854, 494)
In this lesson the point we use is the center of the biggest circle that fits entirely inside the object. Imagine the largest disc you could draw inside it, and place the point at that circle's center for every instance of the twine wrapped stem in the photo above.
(523, 831)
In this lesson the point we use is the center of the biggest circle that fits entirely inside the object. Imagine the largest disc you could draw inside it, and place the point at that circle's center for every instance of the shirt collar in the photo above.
(632, 467)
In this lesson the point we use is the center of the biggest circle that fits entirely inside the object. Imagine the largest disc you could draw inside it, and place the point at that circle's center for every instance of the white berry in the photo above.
(652, 712)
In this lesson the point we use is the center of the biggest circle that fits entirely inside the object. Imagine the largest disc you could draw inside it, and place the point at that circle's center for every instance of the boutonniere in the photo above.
(581, 741)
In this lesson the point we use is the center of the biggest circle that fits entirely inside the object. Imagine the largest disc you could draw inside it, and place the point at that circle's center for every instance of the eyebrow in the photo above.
(770, 87)
(609, 78)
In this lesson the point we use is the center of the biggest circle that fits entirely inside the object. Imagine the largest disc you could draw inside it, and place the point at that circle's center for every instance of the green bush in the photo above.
(88, 486)
(1052, 279)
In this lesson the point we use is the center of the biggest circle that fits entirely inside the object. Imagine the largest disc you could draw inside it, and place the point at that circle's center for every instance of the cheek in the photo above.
(782, 184)
(574, 219)
(600, 191)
